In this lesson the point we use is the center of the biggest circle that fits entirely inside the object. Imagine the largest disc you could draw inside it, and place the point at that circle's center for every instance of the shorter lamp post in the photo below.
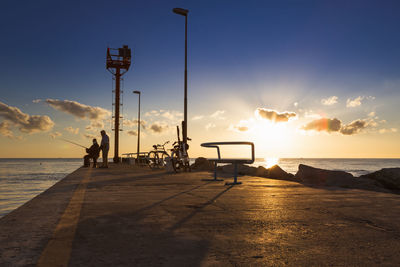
(138, 136)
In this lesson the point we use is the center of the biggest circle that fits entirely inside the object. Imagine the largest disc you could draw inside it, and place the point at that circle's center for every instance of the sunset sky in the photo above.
(298, 78)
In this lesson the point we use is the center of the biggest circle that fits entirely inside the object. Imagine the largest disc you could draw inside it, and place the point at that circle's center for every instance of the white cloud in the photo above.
(36, 101)
(26, 123)
(72, 130)
(95, 124)
(355, 102)
(79, 110)
(218, 114)
(391, 130)
(134, 123)
(199, 117)
(55, 134)
(210, 126)
(329, 101)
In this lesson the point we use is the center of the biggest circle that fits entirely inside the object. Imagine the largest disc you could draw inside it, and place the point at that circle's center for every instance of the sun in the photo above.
(271, 138)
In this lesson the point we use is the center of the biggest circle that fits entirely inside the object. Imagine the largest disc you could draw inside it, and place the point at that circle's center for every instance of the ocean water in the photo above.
(23, 179)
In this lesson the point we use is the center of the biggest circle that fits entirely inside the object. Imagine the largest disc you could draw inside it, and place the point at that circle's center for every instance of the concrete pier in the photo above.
(127, 216)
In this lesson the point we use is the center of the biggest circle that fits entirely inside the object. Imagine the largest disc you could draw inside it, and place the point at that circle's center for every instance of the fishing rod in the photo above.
(72, 142)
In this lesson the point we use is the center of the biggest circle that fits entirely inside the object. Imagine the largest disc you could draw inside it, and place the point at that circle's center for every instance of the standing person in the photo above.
(104, 146)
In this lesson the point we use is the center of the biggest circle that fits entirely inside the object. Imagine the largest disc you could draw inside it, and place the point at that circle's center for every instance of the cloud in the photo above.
(172, 115)
(152, 113)
(329, 101)
(79, 110)
(242, 126)
(36, 101)
(273, 115)
(72, 130)
(335, 125)
(355, 102)
(158, 127)
(131, 123)
(55, 134)
(199, 117)
(134, 133)
(26, 123)
(324, 124)
(210, 126)
(5, 129)
(391, 130)
(95, 124)
(354, 127)
(218, 114)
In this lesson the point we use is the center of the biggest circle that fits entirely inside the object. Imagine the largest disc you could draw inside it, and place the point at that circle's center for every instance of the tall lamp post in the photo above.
(138, 136)
(184, 12)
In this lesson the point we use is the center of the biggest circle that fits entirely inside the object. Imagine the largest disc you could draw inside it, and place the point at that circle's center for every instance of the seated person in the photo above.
(93, 153)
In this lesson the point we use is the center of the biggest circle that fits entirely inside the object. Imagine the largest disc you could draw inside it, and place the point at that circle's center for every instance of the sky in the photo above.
(298, 78)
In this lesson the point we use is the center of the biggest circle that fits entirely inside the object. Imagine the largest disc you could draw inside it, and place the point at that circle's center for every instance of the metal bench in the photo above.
(141, 160)
(235, 162)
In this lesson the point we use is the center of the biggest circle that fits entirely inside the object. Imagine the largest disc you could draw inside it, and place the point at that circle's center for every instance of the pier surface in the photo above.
(130, 216)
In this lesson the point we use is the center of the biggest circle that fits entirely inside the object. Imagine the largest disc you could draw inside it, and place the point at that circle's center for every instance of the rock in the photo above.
(276, 172)
(310, 175)
(261, 172)
(388, 178)
(242, 169)
(202, 164)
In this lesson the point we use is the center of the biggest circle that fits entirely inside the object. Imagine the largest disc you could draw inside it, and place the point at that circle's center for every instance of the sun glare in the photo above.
(271, 162)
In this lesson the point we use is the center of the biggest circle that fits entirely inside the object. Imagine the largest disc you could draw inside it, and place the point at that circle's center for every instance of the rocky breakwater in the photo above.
(388, 178)
(310, 175)
(275, 172)
(385, 180)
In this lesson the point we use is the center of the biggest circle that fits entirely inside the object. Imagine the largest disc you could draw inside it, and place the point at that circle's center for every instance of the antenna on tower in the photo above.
(117, 63)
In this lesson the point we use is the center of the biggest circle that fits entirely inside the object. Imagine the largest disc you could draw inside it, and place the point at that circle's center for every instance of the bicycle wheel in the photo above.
(176, 162)
(163, 159)
(153, 159)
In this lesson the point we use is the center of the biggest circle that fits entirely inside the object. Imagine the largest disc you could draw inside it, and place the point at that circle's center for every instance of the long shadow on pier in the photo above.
(139, 237)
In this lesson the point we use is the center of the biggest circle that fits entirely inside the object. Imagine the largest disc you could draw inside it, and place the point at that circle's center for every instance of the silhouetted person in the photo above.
(93, 153)
(104, 146)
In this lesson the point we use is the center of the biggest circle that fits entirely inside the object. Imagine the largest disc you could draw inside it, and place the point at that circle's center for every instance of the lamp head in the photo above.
(136, 92)
(180, 11)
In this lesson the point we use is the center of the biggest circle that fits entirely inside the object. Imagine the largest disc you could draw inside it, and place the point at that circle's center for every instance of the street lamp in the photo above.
(138, 136)
(184, 12)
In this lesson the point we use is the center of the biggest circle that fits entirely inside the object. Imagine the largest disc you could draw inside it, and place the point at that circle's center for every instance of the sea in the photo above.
(23, 179)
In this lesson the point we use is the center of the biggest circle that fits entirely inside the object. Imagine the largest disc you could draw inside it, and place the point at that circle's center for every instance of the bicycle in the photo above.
(179, 155)
(157, 157)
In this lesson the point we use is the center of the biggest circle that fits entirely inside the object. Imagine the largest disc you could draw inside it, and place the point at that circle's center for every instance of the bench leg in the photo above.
(215, 175)
(234, 176)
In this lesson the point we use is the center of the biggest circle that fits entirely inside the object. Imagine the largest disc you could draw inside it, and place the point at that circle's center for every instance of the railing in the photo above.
(234, 161)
